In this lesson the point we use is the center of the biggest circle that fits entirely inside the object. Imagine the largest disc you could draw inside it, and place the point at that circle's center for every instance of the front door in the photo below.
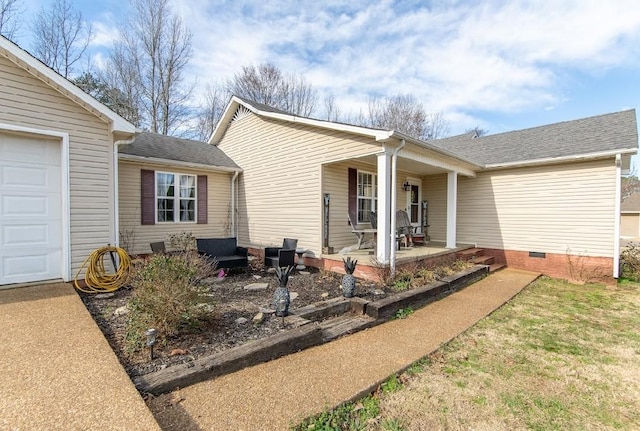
(413, 203)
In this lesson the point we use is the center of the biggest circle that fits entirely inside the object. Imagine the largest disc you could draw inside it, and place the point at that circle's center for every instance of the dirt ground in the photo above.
(235, 304)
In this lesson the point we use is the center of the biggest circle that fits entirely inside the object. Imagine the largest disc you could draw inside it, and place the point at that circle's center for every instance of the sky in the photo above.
(499, 65)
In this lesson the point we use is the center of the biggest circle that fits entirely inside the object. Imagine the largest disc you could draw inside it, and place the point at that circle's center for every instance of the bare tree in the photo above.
(148, 62)
(9, 11)
(266, 84)
(438, 126)
(477, 131)
(405, 114)
(215, 100)
(332, 111)
(630, 185)
(61, 36)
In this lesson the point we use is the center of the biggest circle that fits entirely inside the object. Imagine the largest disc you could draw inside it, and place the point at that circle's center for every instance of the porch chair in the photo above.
(158, 247)
(359, 233)
(281, 256)
(404, 228)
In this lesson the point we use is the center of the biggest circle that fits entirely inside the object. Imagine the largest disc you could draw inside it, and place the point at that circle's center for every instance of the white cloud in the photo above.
(456, 56)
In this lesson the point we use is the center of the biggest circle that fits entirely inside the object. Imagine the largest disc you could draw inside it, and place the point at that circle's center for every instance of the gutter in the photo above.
(551, 160)
(394, 192)
(165, 162)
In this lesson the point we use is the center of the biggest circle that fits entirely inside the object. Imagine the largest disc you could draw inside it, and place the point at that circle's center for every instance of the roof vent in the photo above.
(241, 113)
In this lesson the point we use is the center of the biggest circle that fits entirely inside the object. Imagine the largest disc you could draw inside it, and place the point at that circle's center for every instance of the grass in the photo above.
(558, 356)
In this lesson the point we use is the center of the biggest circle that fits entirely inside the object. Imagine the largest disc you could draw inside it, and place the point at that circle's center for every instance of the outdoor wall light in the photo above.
(406, 186)
(151, 340)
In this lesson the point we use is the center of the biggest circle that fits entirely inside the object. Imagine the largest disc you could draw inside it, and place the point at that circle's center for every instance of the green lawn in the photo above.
(558, 356)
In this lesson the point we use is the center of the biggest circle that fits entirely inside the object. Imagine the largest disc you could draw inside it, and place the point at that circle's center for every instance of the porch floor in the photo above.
(366, 256)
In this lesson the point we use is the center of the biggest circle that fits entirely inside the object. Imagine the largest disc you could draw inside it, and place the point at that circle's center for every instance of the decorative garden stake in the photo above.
(151, 340)
(348, 280)
(281, 298)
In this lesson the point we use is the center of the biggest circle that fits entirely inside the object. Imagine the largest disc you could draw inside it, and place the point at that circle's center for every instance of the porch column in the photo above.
(452, 204)
(383, 248)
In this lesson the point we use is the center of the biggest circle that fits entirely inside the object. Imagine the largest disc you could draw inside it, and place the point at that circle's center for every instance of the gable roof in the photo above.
(43, 72)
(602, 135)
(161, 148)
(379, 135)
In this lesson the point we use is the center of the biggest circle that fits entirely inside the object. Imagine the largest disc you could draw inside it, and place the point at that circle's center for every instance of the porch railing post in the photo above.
(452, 208)
(384, 207)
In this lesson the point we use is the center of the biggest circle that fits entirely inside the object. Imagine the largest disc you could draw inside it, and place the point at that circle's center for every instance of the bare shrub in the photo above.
(167, 295)
(630, 262)
(183, 241)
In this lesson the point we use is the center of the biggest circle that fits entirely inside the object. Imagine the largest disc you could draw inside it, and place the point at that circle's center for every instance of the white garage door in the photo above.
(30, 209)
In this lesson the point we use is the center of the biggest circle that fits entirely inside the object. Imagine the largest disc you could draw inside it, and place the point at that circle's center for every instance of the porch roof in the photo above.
(379, 135)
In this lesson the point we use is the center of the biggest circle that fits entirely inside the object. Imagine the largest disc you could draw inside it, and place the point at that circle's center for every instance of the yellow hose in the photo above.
(96, 277)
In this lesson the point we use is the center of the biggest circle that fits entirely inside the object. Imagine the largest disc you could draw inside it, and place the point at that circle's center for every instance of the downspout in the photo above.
(616, 228)
(394, 177)
(233, 203)
(116, 197)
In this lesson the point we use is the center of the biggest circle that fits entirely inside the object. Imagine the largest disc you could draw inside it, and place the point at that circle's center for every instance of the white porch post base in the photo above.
(452, 204)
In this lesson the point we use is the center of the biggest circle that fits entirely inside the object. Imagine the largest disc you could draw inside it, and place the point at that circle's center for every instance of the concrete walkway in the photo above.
(57, 371)
(281, 393)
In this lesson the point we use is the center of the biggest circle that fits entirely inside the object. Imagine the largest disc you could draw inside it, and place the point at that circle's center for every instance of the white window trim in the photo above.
(176, 198)
(374, 188)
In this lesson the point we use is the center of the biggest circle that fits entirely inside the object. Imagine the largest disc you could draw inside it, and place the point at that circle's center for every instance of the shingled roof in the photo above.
(608, 133)
(156, 146)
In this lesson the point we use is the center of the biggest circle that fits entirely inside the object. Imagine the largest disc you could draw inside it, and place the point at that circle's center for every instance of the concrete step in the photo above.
(469, 253)
(496, 267)
(483, 260)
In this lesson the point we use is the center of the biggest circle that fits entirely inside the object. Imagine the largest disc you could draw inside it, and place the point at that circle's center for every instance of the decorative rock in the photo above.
(121, 311)
(258, 318)
(325, 294)
(304, 272)
(266, 310)
(271, 270)
(256, 286)
(105, 295)
(257, 277)
(176, 352)
(293, 295)
(241, 320)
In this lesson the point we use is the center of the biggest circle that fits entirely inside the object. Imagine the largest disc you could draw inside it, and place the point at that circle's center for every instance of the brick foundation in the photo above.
(571, 267)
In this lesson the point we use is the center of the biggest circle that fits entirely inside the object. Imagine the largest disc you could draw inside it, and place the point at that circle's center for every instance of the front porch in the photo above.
(369, 268)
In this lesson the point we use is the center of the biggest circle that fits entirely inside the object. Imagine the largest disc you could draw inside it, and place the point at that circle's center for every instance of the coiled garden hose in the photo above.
(96, 278)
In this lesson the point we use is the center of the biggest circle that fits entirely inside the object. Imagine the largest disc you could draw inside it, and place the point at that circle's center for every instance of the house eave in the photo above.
(165, 162)
(42, 72)
(565, 159)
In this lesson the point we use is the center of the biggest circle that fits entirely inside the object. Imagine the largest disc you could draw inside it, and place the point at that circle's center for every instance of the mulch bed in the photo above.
(231, 323)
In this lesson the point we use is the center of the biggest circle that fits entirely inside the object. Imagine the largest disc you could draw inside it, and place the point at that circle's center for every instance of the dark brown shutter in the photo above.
(353, 195)
(148, 196)
(202, 200)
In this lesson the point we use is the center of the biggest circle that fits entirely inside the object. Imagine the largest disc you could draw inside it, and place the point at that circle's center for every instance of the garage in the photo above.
(31, 208)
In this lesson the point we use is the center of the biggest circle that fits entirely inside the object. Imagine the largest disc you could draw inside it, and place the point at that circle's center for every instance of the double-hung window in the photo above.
(175, 198)
(367, 195)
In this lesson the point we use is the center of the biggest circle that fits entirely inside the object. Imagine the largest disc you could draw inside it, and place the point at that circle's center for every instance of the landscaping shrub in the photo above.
(183, 241)
(630, 262)
(167, 295)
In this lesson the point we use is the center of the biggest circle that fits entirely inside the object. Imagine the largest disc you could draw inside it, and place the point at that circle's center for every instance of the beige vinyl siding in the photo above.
(434, 191)
(547, 208)
(28, 102)
(630, 225)
(218, 203)
(280, 192)
(335, 182)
